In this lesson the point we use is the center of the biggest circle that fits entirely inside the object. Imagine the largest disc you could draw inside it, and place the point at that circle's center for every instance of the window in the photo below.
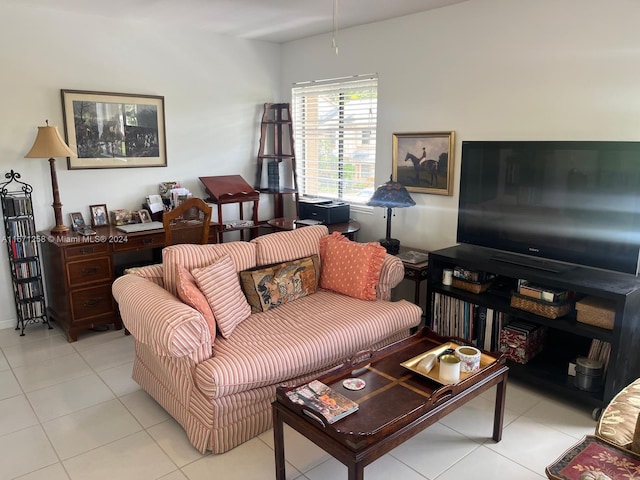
(334, 124)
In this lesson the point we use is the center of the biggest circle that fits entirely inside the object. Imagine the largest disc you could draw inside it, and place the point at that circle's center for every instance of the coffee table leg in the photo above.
(356, 471)
(498, 417)
(278, 437)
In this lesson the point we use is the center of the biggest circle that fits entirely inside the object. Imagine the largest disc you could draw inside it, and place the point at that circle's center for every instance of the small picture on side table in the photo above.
(77, 221)
(98, 215)
(145, 216)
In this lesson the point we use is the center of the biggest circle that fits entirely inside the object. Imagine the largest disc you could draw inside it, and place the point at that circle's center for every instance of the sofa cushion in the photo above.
(285, 246)
(191, 256)
(219, 282)
(190, 294)
(618, 421)
(350, 268)
(314, 332)
(274, 285)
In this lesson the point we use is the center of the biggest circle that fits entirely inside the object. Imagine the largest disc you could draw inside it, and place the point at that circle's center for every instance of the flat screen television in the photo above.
(571, 201)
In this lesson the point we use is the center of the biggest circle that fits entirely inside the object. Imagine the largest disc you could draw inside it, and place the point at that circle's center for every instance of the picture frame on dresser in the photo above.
(114, 130)
(423, 162)
(77, 221)
(99, 216)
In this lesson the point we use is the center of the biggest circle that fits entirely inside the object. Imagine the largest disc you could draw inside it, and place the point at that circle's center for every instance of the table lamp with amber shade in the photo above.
(49, 144)
(391, 195)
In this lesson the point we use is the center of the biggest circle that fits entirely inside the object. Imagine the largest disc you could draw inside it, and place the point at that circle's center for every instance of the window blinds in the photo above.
(334, 125)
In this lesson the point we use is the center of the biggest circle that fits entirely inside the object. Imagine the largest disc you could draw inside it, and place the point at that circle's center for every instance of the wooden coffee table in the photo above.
(395, 405)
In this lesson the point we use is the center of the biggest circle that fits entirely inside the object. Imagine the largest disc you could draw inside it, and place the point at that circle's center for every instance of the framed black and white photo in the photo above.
(423, 162)
(114, 130)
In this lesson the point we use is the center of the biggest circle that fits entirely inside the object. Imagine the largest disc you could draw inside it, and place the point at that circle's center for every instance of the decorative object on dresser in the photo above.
(49, 144)
(391, 195)
(114, 130)
(423, 162)
(99, 215)
(22, 245)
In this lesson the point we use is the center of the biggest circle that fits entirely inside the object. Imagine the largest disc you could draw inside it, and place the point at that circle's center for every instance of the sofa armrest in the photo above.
(391, 275)
(150, 272)
(160, 320)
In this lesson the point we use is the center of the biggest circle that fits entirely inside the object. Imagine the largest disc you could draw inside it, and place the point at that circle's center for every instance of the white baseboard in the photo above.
(8, 323)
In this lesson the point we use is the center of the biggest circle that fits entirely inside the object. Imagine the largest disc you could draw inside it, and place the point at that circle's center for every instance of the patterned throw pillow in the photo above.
(221, 286)
(274, 285)
(190, 294)
(350, 268)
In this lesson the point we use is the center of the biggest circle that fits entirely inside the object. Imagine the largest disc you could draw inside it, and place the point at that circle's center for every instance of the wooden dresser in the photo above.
(79, 271)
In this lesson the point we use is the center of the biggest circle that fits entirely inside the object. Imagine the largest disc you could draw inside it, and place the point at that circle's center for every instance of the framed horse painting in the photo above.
(423, 162)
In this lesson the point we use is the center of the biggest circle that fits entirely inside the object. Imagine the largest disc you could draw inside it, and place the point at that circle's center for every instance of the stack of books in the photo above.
(324, 400)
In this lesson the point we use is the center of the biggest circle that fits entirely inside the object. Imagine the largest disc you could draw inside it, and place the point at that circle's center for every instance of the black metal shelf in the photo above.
(17, 209)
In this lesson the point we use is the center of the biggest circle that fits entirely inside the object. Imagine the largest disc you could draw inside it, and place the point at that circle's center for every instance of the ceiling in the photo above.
(276, 21)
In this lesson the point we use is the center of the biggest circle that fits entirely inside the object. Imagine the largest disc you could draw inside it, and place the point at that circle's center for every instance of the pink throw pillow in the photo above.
(220, 284)
(190, 294)
(350, 268)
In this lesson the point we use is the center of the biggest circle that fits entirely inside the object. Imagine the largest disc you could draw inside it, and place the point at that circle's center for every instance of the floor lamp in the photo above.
(391, 195)
(49, 144)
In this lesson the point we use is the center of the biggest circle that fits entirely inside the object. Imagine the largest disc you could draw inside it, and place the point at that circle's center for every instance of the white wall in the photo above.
(489, 70)
(214, 88)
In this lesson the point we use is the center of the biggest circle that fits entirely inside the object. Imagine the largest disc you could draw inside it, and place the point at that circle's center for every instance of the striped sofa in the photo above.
(220, 390)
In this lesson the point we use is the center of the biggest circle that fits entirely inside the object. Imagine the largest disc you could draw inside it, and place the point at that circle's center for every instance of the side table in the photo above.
(416, 272)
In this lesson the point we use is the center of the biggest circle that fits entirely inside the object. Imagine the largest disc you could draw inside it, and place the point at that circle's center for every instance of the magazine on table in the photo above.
(323, 399)
(413, 256)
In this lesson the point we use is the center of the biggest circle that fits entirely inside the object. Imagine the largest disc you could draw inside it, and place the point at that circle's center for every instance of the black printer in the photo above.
(325, 211)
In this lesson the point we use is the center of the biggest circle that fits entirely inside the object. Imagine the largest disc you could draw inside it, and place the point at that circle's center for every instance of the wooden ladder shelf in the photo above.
(276, 146)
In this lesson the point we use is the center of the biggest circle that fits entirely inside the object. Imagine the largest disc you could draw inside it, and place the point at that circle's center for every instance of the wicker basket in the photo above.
(473, 287)
(595, 311)
(540, 307)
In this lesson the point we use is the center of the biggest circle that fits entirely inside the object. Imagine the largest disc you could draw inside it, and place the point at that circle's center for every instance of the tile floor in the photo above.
(71, 411)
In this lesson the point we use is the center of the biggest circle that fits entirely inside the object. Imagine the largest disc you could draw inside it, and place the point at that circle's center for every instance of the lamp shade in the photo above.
(391, 195)
(49, 144)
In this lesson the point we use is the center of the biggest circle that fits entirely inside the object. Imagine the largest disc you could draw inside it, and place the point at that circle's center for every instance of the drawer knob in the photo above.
(89, 270)
(148, 241)
(87, 250)
(92, 302)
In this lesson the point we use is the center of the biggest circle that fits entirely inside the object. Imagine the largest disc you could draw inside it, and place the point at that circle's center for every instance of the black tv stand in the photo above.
(537, 263)
(566, 337)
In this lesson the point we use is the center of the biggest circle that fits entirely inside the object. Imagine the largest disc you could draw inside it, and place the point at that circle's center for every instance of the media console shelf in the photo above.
(566, 337)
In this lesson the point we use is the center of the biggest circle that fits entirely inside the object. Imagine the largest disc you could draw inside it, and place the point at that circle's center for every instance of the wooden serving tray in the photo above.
(434, 374)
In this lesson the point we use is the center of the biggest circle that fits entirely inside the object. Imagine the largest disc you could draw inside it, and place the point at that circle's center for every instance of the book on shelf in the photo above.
(600, 350)
(323, 399)
(413, 256)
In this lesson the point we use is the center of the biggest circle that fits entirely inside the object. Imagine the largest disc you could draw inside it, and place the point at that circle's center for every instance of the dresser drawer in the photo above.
(142, 242)
(85, 249)
(91, 302)
(89, 271)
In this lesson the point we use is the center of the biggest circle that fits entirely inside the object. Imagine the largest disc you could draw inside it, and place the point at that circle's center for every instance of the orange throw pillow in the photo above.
(190, 294)
(350, 268)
